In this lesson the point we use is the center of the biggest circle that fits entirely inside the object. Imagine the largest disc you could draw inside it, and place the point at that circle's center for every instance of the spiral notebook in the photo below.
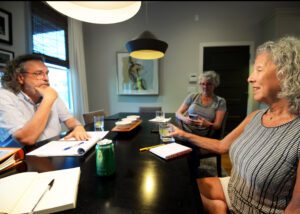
(171, 150)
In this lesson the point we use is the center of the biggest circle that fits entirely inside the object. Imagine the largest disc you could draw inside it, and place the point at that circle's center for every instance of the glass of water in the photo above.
(160, 114)
(99, 122)
(164, 131)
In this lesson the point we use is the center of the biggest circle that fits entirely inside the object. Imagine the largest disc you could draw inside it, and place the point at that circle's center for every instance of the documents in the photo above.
(160, 120)
(10, 157)
(171, 150)
(21, 192)
(68, 147)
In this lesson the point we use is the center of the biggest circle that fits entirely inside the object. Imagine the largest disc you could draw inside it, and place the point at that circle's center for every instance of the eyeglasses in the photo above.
(206, 84)
(38, 75)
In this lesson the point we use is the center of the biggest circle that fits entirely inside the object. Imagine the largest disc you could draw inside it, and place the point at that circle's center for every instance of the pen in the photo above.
(150, 147)
(78, 144)
(46, 190)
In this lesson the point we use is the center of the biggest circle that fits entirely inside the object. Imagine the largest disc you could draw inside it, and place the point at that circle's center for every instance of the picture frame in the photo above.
(135, 76)
(5, 27)
(5, 56)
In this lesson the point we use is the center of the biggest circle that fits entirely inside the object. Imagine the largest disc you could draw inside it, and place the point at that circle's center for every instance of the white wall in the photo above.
(173, 22)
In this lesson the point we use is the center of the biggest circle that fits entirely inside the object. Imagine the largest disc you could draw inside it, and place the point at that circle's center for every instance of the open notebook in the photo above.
(21, 192)
(68, 147)
(171, 150)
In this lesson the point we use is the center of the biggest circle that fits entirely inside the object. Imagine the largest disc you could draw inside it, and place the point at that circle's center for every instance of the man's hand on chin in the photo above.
(46, 92)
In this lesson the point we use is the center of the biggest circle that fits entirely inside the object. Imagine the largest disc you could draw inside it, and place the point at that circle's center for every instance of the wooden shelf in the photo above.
(127, 129)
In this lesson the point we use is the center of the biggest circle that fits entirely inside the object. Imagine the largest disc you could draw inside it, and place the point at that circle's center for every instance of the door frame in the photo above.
(251, 104)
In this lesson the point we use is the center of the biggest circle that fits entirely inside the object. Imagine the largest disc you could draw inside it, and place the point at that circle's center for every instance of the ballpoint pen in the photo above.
(46, 190)
(150, 147)
(78, 144)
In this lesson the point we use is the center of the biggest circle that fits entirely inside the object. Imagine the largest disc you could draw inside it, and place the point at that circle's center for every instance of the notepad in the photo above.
(20, 192)
(171, 150)
(69, 147)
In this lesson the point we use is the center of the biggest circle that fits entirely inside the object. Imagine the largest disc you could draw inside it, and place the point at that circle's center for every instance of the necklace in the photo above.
(270, 114)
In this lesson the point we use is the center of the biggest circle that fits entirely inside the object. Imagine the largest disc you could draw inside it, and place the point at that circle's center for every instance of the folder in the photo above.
(10, 157)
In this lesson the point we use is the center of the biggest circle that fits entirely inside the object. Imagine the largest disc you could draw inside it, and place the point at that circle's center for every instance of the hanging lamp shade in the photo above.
(98, 12)
(146, 46)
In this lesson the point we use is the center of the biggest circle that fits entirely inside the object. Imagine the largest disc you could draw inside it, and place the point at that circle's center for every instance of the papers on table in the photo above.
(68, 147)
(21, 192)
(160, 120)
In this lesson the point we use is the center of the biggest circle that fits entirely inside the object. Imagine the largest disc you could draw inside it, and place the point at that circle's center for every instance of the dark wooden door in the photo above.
(232, 63)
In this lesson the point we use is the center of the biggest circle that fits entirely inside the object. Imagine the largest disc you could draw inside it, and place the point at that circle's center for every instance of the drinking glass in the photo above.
(99, 122)
(160, 114)
(164, 130)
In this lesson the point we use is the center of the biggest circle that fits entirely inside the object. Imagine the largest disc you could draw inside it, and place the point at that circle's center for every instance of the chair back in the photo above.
(89, 116)
(146, 109)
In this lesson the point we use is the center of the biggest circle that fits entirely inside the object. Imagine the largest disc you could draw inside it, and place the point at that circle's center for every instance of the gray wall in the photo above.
(20, 40)
(175, 23)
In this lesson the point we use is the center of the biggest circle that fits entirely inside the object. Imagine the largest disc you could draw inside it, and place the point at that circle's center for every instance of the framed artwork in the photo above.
(135, 76)
(5, 27)
(5, 56)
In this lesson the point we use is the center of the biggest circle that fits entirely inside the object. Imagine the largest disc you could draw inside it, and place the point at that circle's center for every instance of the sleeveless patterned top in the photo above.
(265, 162)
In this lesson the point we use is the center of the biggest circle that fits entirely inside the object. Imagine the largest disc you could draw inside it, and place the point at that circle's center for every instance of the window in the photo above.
(50, 39)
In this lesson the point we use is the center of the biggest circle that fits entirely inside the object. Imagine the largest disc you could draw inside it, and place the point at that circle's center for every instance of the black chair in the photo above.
(148, 109)
(89, 116)
(216, 134)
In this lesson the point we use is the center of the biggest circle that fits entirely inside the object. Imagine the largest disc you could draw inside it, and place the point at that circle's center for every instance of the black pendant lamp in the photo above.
(146, 46)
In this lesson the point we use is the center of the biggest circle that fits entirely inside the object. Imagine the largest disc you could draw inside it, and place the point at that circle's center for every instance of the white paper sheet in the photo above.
(69, 147)
(160, 120)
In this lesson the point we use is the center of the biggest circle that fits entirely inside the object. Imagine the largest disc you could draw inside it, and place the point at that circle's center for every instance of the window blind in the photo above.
(49, 34)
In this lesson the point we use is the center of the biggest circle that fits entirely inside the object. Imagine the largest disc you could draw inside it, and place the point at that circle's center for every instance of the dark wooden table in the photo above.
(143, 183)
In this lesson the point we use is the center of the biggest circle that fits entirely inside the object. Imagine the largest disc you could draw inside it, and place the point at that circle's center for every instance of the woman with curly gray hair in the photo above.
(204, 111)
(265, 148)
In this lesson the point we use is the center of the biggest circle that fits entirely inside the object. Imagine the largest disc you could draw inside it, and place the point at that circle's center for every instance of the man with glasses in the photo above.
(30, 110)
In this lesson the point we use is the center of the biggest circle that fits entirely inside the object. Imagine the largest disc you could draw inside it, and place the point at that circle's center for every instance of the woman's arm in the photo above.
(294, 205)
(180, 113)
(218, 146)
(216, 124)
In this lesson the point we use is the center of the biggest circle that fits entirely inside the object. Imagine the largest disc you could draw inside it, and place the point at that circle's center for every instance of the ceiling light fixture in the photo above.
(146, 46)
(97, 12)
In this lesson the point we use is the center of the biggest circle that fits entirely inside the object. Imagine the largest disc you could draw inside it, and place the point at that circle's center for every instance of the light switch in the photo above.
(193, 78)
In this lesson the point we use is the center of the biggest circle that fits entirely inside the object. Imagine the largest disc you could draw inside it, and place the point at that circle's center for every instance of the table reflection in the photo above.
(149, 184)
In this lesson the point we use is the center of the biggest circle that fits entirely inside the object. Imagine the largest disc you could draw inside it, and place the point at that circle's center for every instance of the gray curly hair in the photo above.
(210, 76)
(285, 54)
(9, 77)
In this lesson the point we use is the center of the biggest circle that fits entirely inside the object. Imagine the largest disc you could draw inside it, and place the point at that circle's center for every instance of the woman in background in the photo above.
(201, 112)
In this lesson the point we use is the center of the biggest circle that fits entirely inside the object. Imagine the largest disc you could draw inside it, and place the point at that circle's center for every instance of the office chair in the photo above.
(146, 109)
(89, 116)
(216, 134)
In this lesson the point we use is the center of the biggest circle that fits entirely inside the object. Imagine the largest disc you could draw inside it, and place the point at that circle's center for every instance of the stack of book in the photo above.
(10, 158)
